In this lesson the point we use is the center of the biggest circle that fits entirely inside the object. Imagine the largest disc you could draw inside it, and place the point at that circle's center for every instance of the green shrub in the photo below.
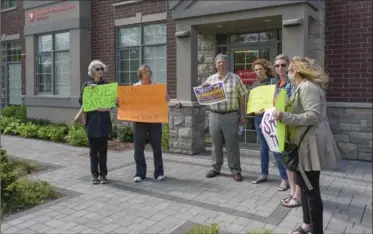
(18, 112)
(125, 134)
(77, 135)
(24, 193)
(17, 192)
(165, 137)
(204, 229)
(10, 125)
(29, 130)
(114, 132)
(57, 133)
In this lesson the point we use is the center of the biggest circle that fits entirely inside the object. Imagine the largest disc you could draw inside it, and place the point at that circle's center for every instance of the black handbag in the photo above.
(289, 157)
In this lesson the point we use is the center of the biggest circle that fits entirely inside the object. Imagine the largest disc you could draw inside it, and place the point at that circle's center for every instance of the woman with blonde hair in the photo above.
(308, 128)
(266, 76)
(141, 129)
(98, 126)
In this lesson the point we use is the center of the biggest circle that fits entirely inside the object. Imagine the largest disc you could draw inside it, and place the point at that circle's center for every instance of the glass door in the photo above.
(243, 58)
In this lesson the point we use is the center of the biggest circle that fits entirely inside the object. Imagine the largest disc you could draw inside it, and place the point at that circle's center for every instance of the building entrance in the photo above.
(243, 50)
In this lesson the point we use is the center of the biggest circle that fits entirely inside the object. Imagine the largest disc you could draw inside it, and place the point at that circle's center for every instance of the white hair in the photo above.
(221, 57)
(92, 66)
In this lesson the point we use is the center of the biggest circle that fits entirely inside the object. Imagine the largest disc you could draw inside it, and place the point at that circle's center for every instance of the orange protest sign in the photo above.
(143, 103)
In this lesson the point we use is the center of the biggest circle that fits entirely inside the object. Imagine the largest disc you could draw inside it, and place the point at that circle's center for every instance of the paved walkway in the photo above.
(185, 198)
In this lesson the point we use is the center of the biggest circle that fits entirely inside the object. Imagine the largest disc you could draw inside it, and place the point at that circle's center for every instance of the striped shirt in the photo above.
(234, 89)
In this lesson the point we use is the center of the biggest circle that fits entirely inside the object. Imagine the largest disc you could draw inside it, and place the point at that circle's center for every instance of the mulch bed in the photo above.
(119, 146)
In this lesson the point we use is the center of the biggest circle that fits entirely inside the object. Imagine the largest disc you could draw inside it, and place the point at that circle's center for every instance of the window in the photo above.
(141, 45)
(53, 64)
(11, 72)
(6, 4)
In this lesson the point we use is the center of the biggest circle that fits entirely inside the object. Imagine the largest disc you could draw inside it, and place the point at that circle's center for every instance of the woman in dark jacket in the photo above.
(98, 126)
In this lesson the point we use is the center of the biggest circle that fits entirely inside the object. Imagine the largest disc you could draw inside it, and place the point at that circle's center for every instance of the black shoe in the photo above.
(95, 180)
(103, 180)
(212, 174)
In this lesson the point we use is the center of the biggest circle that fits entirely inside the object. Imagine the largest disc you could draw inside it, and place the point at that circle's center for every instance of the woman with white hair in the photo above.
(308, 128)
(98, 126)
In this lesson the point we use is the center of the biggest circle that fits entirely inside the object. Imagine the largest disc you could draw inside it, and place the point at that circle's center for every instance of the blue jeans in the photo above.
(264, 152)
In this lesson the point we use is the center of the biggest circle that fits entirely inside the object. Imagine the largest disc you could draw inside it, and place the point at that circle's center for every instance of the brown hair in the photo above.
(308, 69)
(143, 68)
(266, 65)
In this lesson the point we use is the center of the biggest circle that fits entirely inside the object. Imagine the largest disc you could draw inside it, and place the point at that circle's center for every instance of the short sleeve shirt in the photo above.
(234, 89)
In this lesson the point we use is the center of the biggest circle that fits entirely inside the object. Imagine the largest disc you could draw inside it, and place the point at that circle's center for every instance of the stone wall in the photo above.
(187, 126)
(206, 66)
(352, 129)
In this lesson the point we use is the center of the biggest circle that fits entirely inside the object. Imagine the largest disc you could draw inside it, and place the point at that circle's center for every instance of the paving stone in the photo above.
(186, 196)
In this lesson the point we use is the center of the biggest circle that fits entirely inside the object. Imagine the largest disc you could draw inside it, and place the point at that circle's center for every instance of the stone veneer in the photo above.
(351, 124)
(187, 129)
(189, 124)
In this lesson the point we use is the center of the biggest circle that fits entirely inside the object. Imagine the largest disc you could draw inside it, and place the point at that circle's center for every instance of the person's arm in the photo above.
(241, 91)
(207, 82)
(310, 99)
(81, 93)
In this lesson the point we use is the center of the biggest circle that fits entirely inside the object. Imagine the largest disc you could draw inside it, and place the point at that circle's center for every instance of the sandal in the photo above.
(283, 186)
(299, 230)
(289, 205)
(287, 198)
(261, 179)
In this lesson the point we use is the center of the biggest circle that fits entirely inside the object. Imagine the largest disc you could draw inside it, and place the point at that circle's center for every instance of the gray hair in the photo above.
(92, 66)
(221, 57)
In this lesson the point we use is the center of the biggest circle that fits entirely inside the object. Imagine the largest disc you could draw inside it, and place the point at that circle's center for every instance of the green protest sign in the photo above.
(100, 96)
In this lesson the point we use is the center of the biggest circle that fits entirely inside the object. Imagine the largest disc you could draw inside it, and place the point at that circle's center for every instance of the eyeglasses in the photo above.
(99, 69)
(280, 65)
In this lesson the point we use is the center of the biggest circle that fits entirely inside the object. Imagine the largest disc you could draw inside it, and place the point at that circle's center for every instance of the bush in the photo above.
(77, 136)
(18, 112)
(125, 134)
(204, 229)
(10, 125)
(165, 137)
(17, 192)
(114, 132)
(28, 130)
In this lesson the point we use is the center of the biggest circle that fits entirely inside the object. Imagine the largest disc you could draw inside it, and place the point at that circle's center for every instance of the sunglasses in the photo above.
(99, 69)
(280, 65)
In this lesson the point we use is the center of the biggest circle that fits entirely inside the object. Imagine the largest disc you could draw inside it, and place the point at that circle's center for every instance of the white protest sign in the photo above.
(269, 130)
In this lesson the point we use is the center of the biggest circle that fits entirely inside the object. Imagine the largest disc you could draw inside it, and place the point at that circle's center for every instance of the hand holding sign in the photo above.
(269, 129)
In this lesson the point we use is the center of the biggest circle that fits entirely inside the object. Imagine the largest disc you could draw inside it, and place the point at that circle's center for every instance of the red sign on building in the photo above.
(248, 77)
(43, 14)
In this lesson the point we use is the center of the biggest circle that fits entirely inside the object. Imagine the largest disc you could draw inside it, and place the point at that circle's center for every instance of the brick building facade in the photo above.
(338, 33)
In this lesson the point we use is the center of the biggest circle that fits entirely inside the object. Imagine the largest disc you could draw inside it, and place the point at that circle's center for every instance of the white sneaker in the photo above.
(161, 177)
(137, 179)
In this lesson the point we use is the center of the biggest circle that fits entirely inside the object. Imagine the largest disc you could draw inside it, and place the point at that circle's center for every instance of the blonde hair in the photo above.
(282, 57)
(93, 65)
(143, 68)
(266, 65)
(308, 69)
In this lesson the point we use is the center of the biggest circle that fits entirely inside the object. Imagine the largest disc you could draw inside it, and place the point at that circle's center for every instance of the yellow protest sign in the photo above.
(281, 128)
(260, 99)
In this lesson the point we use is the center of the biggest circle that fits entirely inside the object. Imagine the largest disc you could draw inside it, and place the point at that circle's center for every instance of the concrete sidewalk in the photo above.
(185, 198)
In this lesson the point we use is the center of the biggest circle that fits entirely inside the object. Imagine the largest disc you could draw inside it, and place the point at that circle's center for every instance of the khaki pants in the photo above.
(224, 129)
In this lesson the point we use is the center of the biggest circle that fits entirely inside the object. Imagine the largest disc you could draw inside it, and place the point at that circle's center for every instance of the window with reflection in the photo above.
(53, 64)
(145, 44)
(7, 4)
(11, 76)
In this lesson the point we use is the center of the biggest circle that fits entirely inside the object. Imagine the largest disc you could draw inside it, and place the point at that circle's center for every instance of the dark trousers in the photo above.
(155, 132)
(312, 205)
(98, 155)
